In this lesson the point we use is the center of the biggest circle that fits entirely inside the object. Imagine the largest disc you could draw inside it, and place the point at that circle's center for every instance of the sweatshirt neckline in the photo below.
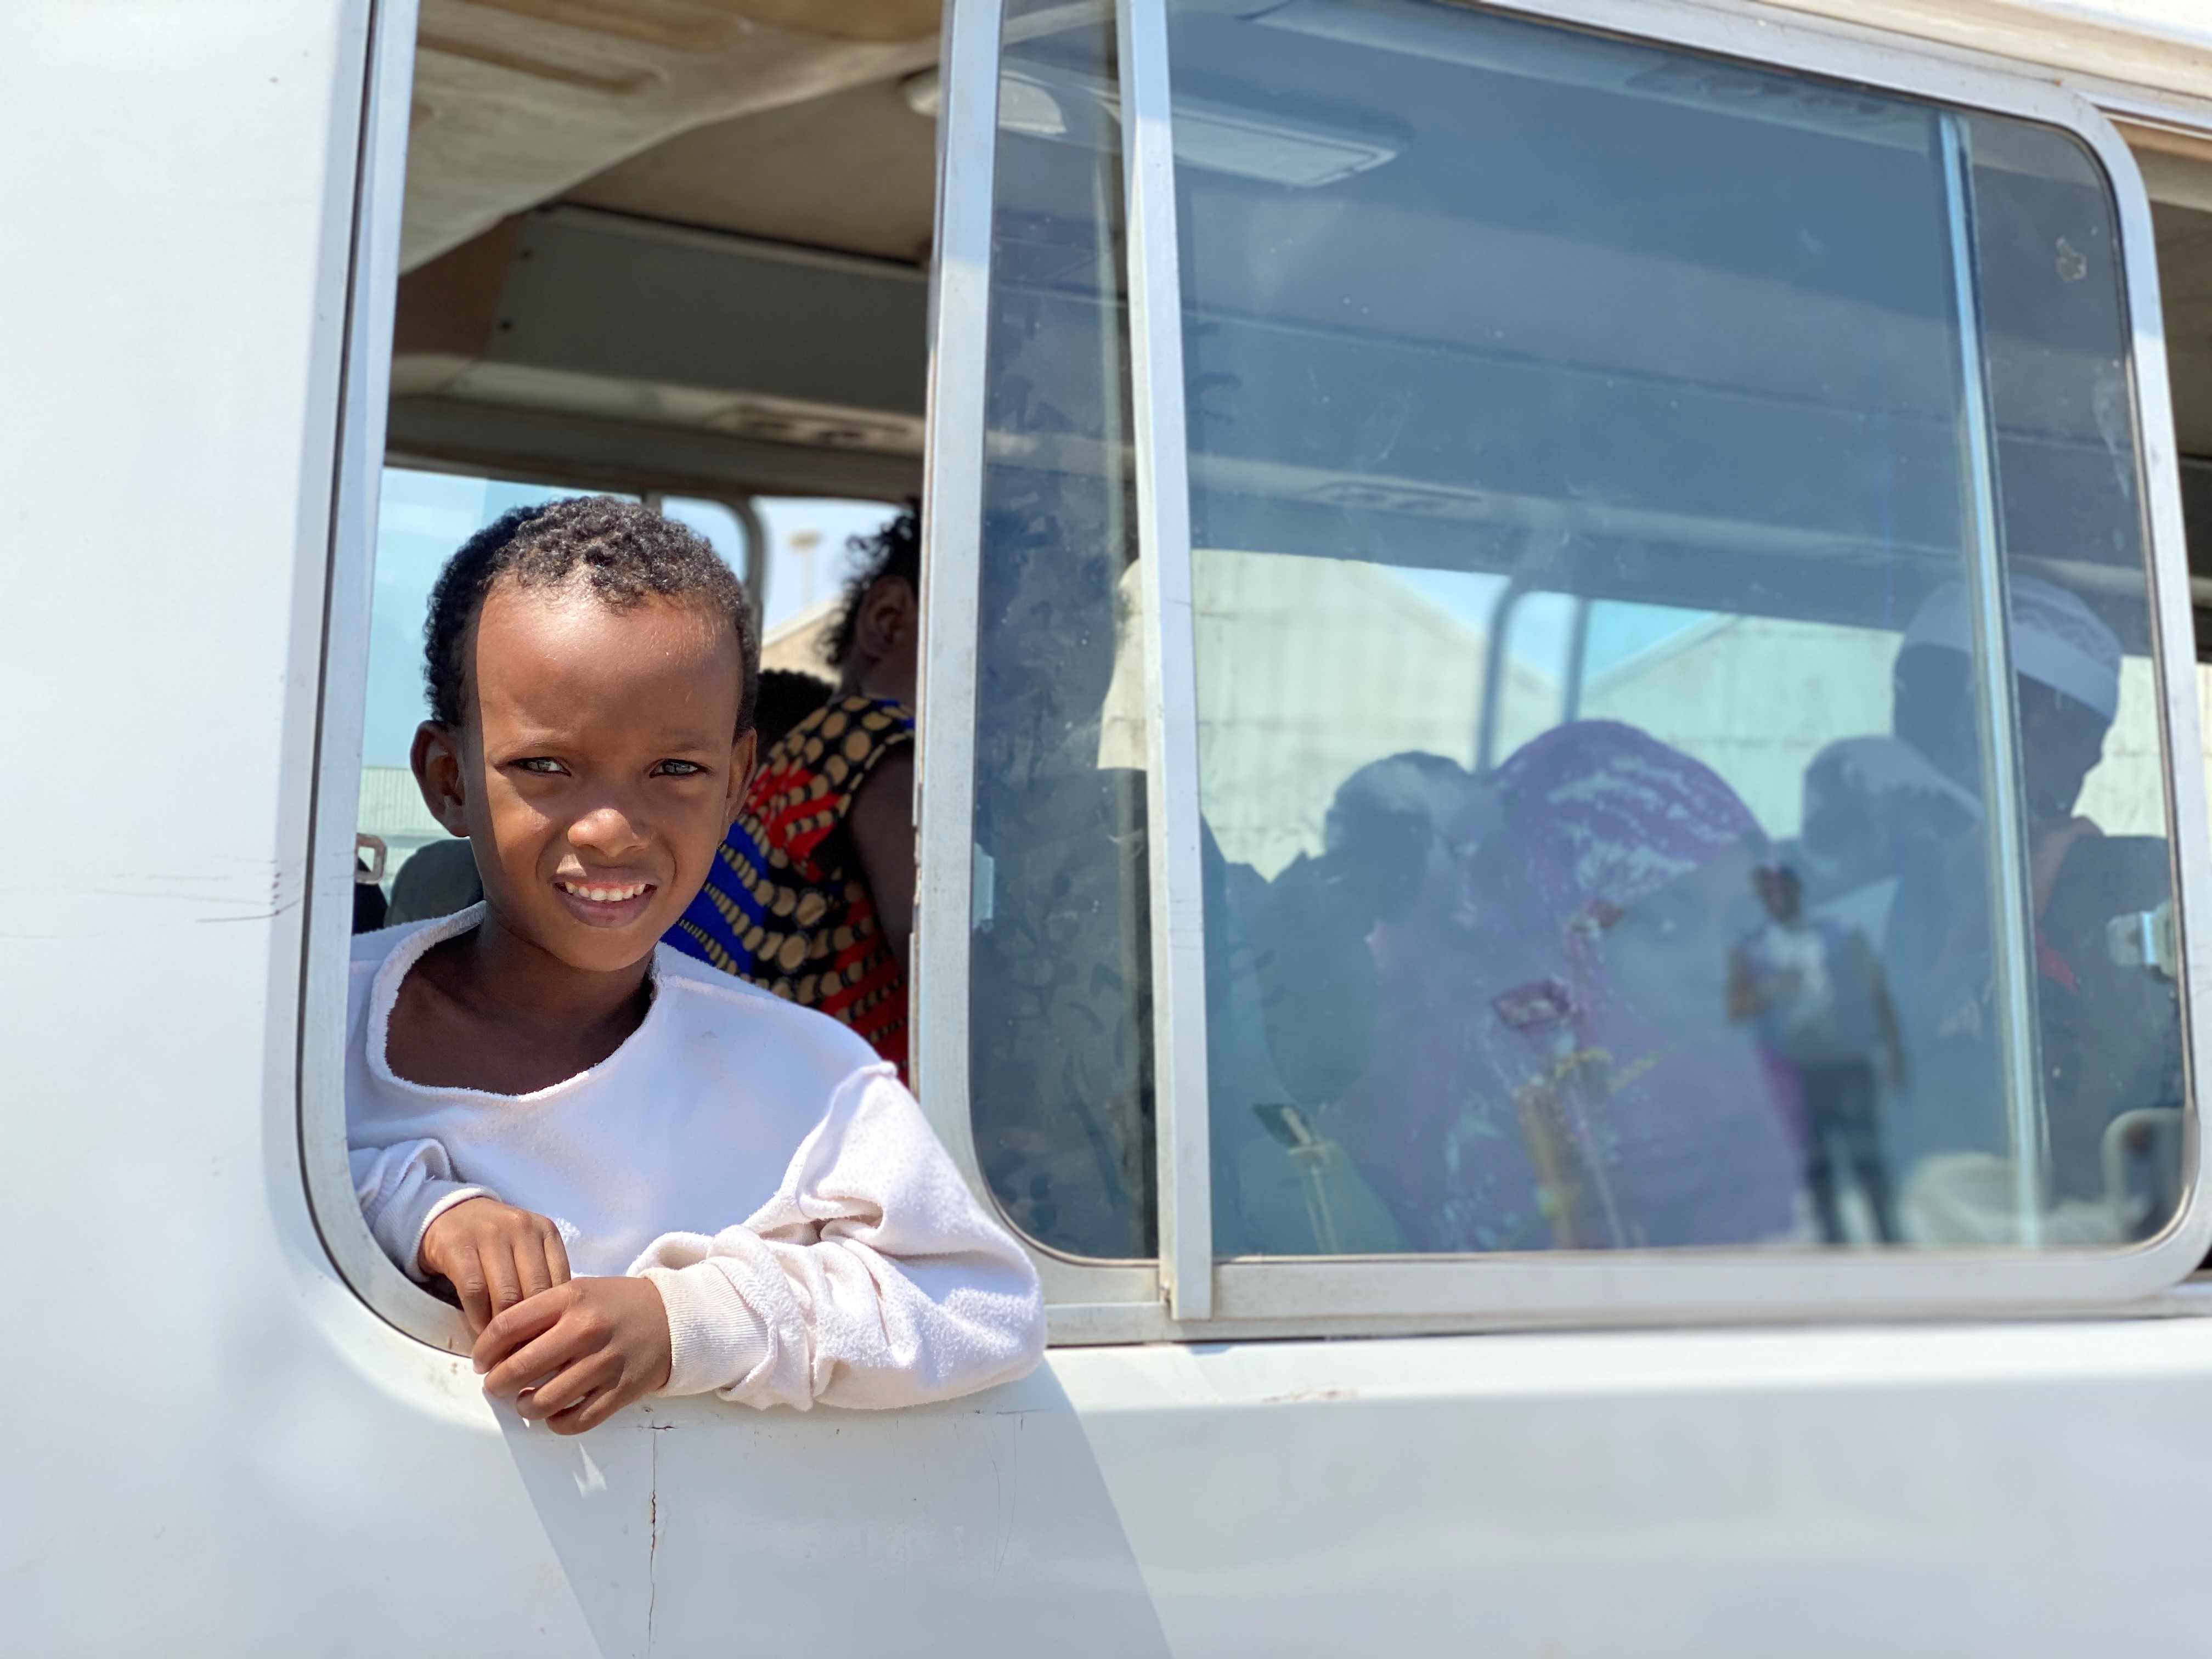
(384, 996)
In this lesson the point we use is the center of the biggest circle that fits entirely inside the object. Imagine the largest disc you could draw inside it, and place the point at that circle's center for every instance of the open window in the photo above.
(683, 259)
(1595, 591)
(1431, 515)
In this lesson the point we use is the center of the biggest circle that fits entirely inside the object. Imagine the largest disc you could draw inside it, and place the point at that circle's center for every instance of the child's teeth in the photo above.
(607, 894)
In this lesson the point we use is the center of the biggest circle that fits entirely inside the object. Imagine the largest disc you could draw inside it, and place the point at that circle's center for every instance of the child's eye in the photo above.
(678, 769)
(545, 765)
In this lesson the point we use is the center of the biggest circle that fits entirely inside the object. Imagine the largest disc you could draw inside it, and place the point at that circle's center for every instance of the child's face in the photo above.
(595, 772)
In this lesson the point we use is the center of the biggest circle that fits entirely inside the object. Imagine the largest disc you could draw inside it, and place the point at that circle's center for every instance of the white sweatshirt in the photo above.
(753, 1159)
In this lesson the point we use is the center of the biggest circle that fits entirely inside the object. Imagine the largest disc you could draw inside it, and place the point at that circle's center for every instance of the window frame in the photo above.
(371, 301)
(1187, 1295)
(1079, 1293)
(372, 297)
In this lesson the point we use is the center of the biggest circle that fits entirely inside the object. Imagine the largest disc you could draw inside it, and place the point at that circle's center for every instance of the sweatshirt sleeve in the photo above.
(872, 1279)
(403, 1188)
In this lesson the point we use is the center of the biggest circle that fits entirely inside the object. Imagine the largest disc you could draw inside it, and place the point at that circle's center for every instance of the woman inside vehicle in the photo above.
(812, 896)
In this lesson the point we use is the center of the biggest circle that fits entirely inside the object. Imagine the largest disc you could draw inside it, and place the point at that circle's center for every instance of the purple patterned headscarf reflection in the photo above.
(1560, 1072)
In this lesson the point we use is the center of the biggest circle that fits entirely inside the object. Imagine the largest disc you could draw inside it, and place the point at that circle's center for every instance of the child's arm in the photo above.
(402, 1190)
(432, 1225)
(493, 1256)
(576, 1355)
(872, 1279)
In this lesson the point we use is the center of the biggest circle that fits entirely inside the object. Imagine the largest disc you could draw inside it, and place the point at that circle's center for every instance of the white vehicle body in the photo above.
(214, 1444)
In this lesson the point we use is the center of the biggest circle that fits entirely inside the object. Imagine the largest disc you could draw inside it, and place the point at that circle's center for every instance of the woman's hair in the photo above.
(787, 697)
(624, 551)
(894, 550)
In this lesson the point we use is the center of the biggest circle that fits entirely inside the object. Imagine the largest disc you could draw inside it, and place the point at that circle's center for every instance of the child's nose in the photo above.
(609, 830)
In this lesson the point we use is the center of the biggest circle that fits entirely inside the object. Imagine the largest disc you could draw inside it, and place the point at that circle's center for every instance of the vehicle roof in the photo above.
(2162, 45)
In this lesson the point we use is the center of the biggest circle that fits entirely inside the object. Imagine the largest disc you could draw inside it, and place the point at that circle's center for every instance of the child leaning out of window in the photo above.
(639, 1174)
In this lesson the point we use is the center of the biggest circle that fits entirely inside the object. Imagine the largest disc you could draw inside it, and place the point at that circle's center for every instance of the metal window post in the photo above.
(1171, 803)
(1577, 662)
(2010, 899)
(1493, 670)
(951, 542)
(757, 550)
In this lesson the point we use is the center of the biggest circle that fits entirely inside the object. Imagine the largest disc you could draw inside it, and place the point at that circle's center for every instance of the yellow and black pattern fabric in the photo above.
(786, 906)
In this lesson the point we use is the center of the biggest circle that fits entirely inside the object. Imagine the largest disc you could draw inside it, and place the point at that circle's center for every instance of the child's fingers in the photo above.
(538, 1365)
(599, 1406)
(531, 1269)
(502, 1260)
(535, 1363)
(467, 1279)
(556, 1254)
(588, 1413)
(522, 1324)
(573, 1387)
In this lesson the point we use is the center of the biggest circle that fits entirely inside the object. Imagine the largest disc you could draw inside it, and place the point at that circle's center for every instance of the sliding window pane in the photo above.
(1059, 1029)
(1595, 742)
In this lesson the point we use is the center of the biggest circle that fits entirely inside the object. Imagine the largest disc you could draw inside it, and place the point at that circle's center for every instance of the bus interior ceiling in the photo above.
(676, 246)
(683, 246)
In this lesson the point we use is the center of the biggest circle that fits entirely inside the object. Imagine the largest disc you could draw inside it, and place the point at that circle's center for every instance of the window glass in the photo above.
(807, 559)
(717, 523)
(1583, 483)
(1059, 1016)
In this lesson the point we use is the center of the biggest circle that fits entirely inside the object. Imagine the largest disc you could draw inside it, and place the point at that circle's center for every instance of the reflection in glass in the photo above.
(1596, 803)
(1060, 1015)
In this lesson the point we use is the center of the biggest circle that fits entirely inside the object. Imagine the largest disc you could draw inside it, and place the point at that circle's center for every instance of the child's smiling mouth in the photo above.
(604, 903)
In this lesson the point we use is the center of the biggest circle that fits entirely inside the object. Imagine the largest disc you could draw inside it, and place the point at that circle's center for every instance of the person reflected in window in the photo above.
(1870, 801)
(1894, 844)
(812, 896)
(1294, 1008)
(1555, 1065)
(1060, 1018)
(1814, 990)
(1321, 985)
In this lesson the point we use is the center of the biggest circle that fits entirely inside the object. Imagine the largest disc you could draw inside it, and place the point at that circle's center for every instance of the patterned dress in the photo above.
(786, 906)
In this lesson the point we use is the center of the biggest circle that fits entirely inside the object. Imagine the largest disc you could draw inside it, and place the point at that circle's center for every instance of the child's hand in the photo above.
(591, 1347)
(495, 1255)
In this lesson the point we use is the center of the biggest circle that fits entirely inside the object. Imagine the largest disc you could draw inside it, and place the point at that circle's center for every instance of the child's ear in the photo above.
(743, 753)
(889, 615)
(439, 775)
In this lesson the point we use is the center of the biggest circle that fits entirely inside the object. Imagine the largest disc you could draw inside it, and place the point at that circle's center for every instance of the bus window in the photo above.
(801, 580)
(1060, 1019)
(717, 523)
(1679, 747)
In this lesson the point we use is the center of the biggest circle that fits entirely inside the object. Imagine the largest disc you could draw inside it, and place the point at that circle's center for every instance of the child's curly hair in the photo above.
(894, 550)
(627, 552)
